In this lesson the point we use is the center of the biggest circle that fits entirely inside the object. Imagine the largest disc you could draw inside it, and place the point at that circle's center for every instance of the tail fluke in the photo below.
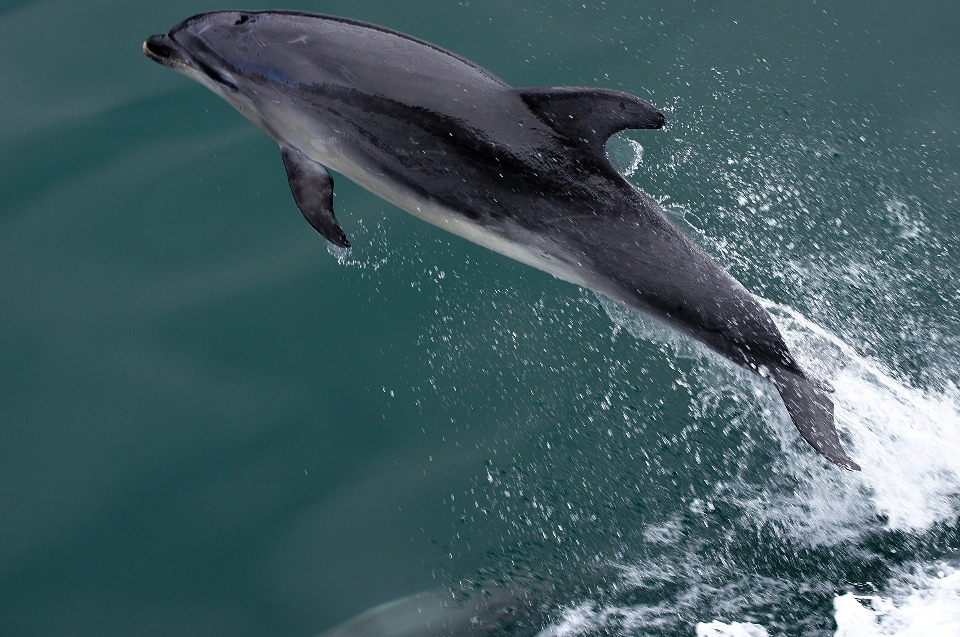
(812, 413)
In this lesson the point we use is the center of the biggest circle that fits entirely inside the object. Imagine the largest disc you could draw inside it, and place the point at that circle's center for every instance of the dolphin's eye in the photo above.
(243, 18)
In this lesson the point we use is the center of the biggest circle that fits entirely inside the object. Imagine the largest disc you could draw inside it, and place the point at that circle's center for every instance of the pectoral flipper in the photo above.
(312, 188)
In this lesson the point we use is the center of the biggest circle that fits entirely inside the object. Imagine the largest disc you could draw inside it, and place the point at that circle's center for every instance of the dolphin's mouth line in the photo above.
(162, 49)
(165, 50)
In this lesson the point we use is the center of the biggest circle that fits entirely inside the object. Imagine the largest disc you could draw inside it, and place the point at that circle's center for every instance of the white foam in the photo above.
(574, 621)
(696, 589)
(907, 440)
(921, 603)
(735, 629)
(591, 618)
(928, 604)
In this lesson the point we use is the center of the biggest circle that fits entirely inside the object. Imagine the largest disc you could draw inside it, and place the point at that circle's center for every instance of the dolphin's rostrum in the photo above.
(522, 171)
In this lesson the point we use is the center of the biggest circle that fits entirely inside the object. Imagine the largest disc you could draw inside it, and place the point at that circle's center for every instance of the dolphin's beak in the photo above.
(168, 52)
(162, 49)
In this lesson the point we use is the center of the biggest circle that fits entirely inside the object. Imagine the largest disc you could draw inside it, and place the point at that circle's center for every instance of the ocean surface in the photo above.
(213, 423)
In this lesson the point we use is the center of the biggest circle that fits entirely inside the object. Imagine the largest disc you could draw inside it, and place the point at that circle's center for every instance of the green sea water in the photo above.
(212, 423)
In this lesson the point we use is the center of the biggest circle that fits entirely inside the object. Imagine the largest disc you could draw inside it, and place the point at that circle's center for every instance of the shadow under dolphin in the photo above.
(522, 171)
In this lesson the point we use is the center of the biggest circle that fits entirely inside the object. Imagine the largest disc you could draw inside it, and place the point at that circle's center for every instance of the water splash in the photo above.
(625, 153)
(735, 629)
(924, 602)
(907, 439)
(372, 253)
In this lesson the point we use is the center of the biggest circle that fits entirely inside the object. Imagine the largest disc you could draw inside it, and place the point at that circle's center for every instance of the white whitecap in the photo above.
(734, 629)
(926, 604)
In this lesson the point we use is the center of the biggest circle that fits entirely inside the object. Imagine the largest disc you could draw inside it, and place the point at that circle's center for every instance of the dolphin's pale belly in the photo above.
(507, 238)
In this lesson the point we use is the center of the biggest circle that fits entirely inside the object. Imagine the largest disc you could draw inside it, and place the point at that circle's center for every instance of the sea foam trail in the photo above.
(734, 629)
(924, 603)
(587, 619)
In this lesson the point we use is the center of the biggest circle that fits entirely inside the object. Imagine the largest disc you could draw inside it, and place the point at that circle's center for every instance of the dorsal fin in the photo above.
(590, 115)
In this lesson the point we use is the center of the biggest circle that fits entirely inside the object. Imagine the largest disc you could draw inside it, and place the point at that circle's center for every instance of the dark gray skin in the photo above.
(521, 171)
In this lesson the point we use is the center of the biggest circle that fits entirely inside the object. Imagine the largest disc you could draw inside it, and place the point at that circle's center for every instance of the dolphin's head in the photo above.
(201, 47)
(233, 53)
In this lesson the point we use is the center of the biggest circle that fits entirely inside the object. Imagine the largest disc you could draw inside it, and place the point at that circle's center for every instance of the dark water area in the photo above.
(212, 423)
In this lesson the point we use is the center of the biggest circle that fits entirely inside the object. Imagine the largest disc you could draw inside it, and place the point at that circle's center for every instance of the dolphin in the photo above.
(447, 614)
(522, 171)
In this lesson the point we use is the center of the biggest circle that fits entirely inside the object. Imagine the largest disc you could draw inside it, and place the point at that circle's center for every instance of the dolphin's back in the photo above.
(299, 49)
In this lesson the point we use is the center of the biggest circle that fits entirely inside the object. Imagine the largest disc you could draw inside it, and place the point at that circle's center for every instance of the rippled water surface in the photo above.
(213, 424)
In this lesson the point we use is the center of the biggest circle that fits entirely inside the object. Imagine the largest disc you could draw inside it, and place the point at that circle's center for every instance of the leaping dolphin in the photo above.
(522, 171)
